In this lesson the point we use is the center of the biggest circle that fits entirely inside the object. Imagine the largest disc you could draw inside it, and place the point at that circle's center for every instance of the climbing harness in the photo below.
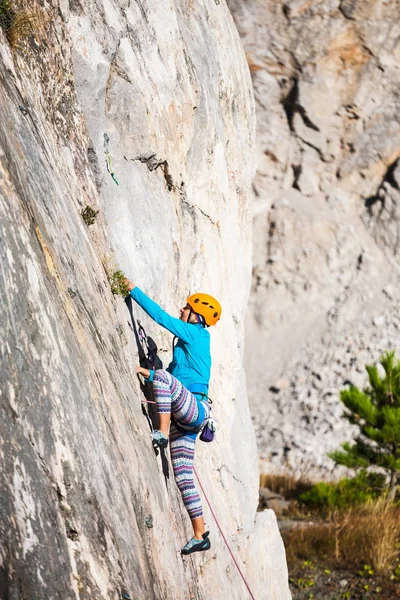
(108, 158)
(209, 426)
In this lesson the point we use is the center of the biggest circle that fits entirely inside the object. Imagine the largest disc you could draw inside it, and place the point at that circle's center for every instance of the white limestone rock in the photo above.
(169, 86)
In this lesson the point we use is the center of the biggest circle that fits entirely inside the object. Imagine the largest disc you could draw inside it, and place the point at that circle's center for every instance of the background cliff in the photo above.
(325, 290)
(165, 88)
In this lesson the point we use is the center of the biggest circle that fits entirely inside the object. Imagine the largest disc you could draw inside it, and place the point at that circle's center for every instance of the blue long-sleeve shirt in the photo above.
(191, 362)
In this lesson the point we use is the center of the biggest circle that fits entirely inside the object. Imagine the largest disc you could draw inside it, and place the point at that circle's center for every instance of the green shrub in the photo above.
(117, 281)
(376, 412)
(89, 215)
(344, 493)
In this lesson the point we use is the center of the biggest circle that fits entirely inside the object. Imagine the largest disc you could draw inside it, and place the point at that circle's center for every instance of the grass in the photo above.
(355, 553)
(374, 533)
(311, 581)
(17, 24)
(287, 485)
(369, 534)
(347, 551)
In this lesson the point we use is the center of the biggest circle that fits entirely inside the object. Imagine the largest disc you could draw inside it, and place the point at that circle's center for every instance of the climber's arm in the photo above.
(182, 330)
(144, 372)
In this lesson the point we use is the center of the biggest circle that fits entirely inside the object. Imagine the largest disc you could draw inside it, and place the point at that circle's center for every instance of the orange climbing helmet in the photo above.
(206, 306)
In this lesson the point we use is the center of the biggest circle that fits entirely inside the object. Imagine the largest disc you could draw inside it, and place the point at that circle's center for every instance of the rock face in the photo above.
(325, 290)
(156, 97)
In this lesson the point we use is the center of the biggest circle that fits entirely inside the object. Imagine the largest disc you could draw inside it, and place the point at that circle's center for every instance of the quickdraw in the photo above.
(108, 158)
(148, 346)
(142, 333)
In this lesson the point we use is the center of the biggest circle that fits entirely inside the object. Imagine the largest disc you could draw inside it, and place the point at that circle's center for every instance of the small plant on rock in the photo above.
(89, 215)
(117, 281)
(17, 24)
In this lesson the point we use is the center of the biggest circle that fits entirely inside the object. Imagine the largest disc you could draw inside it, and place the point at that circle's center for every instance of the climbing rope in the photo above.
(223, 536)
(217, 523)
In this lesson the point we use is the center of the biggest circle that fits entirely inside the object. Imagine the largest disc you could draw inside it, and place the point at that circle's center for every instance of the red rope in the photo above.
(223, 536)
(217, 523)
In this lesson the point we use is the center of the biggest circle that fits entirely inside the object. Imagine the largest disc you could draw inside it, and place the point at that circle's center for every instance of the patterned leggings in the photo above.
(171, 396)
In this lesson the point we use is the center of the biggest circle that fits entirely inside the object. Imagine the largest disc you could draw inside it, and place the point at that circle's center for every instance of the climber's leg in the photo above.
(162, 391)
(198, 527)
(165, 421)
(162, 396)
(172, 396)
(182, 457)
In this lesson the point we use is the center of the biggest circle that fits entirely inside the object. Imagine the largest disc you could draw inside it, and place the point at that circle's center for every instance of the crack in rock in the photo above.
(389, 178)
(193, 208)
(153, 163)
(291, 106)
(346, 7)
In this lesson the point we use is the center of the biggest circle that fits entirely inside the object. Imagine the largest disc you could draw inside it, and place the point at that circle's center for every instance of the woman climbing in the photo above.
(180, 392)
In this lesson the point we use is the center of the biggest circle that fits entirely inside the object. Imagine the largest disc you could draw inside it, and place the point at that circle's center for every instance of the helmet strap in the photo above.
(199, 318)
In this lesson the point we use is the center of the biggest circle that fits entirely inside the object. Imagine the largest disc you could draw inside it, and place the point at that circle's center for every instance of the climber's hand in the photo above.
(129, 284)
(142, 371)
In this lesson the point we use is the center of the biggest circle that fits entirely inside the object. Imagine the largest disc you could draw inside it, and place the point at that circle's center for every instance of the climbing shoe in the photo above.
(159, 440)
(195, 545)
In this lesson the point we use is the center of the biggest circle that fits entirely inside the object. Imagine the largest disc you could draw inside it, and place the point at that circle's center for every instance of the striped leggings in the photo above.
(171, 396)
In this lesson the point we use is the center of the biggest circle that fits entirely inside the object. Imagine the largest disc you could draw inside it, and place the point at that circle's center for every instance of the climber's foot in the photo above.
(195, 545)
(158, 439)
